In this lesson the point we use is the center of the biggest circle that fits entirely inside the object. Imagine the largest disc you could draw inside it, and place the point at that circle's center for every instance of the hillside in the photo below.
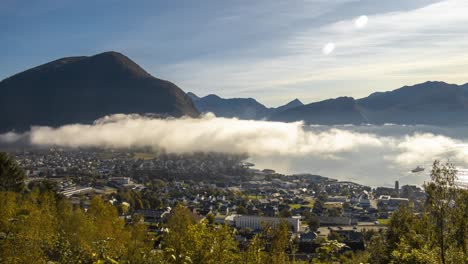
(82, 89)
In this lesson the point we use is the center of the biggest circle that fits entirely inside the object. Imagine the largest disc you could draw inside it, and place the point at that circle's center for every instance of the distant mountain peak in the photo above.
(296, 101)
(212, 96)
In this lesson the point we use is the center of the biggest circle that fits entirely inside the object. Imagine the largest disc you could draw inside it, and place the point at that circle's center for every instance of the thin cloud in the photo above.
(395, 49)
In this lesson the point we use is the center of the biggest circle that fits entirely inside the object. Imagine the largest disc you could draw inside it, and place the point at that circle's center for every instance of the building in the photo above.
(308, 237)
(256, 222)
(411, 192)
(395, 203)
(75, 190)
(390, 203)
(341, 199)
(154, 216)
(334, 220)
(364, 199)
(397, 188)
(121, 180)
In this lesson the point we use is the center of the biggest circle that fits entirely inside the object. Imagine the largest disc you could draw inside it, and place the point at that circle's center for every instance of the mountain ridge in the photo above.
(243, 108)
(431, 103)
(81, 89)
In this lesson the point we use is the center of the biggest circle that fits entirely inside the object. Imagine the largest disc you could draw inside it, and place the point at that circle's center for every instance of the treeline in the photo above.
(39, 226)
(438, 234)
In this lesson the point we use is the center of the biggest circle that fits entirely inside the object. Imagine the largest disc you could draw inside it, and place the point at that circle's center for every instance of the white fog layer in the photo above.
(374, 155)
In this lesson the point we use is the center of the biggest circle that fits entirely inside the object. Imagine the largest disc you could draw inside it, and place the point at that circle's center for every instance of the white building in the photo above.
(256, 222)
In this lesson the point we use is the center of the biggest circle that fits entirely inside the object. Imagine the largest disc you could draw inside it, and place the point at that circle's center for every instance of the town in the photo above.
(222, 189)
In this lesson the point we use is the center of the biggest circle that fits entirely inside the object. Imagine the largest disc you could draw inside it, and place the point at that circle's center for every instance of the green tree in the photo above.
(318, 207)
(441, 196)
(176, 238)
(211, 244)
(278, 237)
(210, 218)
(377, 248)
(241, 210)
(313, 222)
(285, 213)
(11, 175)
(329, 250)
(335, 236)
(255, 252)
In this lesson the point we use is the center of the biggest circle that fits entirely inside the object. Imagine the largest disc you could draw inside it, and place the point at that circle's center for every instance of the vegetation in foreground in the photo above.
(39, 226)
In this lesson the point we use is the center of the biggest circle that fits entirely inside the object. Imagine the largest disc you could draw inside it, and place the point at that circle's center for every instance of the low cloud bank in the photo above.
(369, 154)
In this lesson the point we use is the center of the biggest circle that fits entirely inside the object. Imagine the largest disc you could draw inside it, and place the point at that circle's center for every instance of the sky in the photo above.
(273, 51)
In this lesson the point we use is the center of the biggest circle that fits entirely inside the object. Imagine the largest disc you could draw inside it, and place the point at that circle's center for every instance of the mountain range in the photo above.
(431, 103)
(243, 108)
(83, 89)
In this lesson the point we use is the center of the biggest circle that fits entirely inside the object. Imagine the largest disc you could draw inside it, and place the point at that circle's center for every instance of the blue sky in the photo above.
(273, 51)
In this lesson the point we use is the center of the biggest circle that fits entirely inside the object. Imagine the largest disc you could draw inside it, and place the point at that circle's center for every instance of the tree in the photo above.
(402, 225)
(176, 239)
(319, 203)
(441, 194)
(255, 253)
(329, 250)
(335, 236)
(377, 249)
(210, 218)
(439, 234)
(285, 213)
(11, 175)
(406, 254)
(241, 210)
(334, 211)
(211, 244)
(313, 222)
(460, 222)
(279, 237)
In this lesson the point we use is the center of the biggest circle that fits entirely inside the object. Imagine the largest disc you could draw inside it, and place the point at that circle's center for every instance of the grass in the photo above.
(297, 206)
(254, 197)
(144, 155)
(383, 221)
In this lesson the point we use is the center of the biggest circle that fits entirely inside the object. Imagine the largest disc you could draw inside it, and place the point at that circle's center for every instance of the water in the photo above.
(388, 153)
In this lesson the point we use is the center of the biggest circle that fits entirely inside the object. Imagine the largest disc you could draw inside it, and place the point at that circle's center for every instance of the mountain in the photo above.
(342, 110)
(432, 103)
(294, 103)
(242, 108)
(82, 89)
(193, 96)
(436, 103)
